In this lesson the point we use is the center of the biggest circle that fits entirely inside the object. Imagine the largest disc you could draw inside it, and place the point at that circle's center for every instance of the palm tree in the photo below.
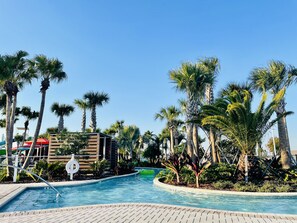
(29, 115)
(171, 115)
(211, 66)
(233, 116)
(83, 105)
(48, 70)
(61, 110)
(128, 138)
(276, 77)
(15, 73)
(95, 99)
(191, 79)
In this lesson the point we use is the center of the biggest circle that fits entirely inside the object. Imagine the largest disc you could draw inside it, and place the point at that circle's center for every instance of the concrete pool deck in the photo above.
(128, 212)
(148, 213)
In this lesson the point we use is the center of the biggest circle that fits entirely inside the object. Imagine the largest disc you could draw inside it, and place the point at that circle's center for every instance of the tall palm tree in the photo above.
(95, 99)
(128, 138)
(48, 70)
(15, 73)
(191, 79)
(29, 115)
(61, 110)
(211, 66)
(171, 115)
(276, 77)
(234, 117)
(83, 105)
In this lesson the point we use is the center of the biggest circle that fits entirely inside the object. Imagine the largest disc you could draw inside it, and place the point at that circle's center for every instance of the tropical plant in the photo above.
(95, 99)
(234, 117)
(15, 73)
(83, 105)
(124, 167)
(128, 138)
(48, 70)
(152, 152)
(171, 115)
(191, 79)
(275, 78)
(196, 167)
(61, 110)
(175, 163)
(29, 115)
(273, 142)
(99, 166)
(73, 143)
(49, 170)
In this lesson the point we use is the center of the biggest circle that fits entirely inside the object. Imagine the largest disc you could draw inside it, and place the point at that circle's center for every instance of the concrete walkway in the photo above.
(149, 213)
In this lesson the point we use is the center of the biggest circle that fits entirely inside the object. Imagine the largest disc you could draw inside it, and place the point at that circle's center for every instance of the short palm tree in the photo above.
(170, 114)
(29, 115)
(48, 70)
(233, 116)
(211, 66)
(83, 105)
(276, 77)
(61, 110)
(95, 99)
(128, 138)
(191, 79)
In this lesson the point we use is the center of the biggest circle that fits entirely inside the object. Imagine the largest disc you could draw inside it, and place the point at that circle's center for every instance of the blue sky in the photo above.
(126, 48)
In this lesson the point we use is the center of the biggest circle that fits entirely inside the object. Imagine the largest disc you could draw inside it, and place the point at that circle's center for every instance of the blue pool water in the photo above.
(141, 189)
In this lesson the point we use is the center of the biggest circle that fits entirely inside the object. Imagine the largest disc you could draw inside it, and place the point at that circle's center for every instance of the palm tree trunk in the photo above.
(12, 116)
(83, 122)
(61, 124)
(189, 128)
(8, 142)
(195, 141)
(190, 110)
(283, 137)
(283, 146)
(171, 141)
(93, 123)
(214, 151)
(37, 130)
(26, 124)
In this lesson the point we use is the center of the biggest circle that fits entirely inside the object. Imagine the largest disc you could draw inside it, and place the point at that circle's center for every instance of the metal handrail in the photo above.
(47, 183)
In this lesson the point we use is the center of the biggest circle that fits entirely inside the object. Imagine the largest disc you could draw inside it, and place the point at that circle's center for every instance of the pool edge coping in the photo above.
(221, 192)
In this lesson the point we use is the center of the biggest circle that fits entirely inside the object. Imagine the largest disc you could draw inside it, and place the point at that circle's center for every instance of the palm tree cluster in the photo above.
(230, 117)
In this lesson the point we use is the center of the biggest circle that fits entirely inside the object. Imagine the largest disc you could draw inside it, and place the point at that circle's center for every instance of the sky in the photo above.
(126, 49)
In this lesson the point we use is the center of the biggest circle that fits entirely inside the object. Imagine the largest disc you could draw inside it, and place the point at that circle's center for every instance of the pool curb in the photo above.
(221, 192)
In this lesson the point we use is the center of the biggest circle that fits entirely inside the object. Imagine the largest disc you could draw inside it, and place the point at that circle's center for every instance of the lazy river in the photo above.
(140, 189)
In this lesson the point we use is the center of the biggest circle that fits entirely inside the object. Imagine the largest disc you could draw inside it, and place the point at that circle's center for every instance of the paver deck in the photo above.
(149, 213)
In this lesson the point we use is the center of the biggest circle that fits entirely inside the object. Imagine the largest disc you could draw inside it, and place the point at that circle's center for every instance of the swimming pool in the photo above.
(140, 189)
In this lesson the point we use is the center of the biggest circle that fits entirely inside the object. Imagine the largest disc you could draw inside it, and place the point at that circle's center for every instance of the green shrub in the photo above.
(49, 170)
(221, 185)
(124, 167)
(284, 188)
(3, 173)
(187, 176)
(98, 167)
(245, 187)
(217, 172)
(268, 187)
(167, 175)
